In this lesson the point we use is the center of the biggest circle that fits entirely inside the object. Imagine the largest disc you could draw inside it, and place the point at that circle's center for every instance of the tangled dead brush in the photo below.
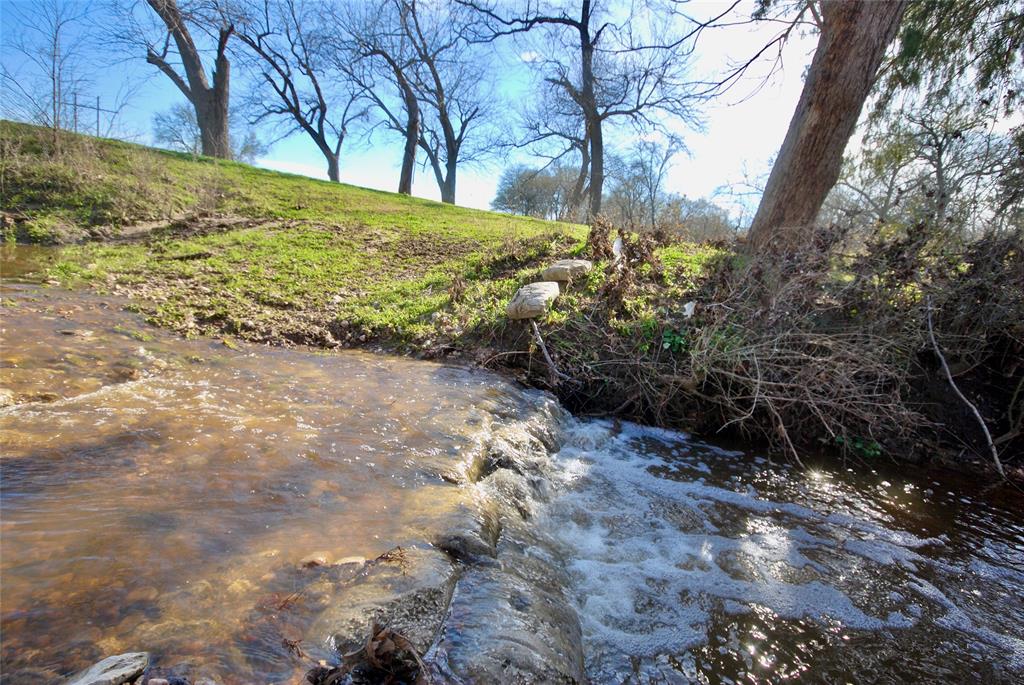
(781, 353)
(810, 346)
(963, 302)
(599, 239)
(638, 262)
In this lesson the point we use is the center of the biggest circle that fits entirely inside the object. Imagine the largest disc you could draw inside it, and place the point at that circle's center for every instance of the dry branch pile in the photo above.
(809, 347)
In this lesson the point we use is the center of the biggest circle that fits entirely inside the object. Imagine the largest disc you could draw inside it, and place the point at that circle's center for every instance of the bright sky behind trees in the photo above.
(742, 129)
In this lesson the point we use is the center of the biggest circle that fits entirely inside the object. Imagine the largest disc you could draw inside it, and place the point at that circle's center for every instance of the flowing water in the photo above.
(170, 495)
(693, 563)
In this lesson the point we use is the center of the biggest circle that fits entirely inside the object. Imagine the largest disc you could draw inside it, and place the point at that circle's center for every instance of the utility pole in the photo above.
(76, 105)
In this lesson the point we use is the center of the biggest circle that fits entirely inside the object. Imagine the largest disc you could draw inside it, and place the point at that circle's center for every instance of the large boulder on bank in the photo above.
(532, 300)
(565, 270)
(114, 670)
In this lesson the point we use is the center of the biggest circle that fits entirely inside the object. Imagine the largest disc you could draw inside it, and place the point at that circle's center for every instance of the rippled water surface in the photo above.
(165, 494)
(697, 564)
(162, 494)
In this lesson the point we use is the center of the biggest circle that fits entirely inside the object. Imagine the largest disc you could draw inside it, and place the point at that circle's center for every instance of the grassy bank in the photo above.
(226, 248)
(211, 247)
(810, 350)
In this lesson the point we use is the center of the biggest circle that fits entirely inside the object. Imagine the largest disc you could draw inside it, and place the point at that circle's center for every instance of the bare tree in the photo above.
(959, 154)
(852, 43)
(525, 191)
(556, 131)
(874, 185)
(451, 82)
(298, 81)
(613, 69)
(698, 219)
(444, 105)
(382, 64)
(172, 41)
(177, 129)
(651, 162)
(41, 91)
(544, 193)
(625, 200)
(936, 160)
(637, 196)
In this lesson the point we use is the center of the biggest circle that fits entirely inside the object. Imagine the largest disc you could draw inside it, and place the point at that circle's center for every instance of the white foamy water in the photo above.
(691, 563)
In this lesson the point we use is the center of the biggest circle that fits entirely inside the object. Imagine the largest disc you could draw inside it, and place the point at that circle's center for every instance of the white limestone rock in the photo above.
(565, 270)
(532, 300)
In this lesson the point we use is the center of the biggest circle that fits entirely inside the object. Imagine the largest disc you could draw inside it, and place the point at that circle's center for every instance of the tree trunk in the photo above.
(850, 49)
(214, 134)
(576, 199)
(212, 118)
(596, 167)
(210, 102)
(333, 167)
(448, 189)
(588, 104)
(412, 135)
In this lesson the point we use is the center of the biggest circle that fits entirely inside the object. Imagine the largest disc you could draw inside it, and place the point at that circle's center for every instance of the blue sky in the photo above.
(742, 130)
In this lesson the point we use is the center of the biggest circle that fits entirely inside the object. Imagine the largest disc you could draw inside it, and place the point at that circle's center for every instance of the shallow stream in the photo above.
(175, 496)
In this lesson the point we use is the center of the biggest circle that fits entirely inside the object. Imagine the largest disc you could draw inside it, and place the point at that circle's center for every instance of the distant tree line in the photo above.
(635, 196)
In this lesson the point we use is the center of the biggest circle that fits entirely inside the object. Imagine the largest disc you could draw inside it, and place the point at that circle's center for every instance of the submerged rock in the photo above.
(502, 628)
(406, 590)
(114, 670)
(532, 300)
(469, 532)
(77, 332)
(319, 558)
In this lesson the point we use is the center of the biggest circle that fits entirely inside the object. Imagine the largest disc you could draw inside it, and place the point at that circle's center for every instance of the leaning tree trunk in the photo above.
(850, 49)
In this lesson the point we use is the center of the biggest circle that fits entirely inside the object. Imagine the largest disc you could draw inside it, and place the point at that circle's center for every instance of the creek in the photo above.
(213, 504)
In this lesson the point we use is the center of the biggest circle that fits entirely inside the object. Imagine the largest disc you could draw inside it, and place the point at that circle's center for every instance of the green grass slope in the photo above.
(94, 187)
(207, 247)
(229, 248)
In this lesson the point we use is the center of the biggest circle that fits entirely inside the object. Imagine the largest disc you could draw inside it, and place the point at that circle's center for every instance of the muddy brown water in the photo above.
(158, 492)
(163, 494)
